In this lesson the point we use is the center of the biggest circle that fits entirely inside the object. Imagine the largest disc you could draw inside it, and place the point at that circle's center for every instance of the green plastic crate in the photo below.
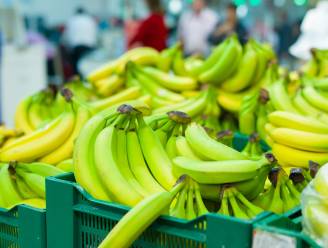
(76, 220)
(285, 228)
(240, 140)
(23, 227)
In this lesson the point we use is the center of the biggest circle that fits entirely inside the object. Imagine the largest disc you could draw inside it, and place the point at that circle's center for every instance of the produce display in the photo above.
(154, 131)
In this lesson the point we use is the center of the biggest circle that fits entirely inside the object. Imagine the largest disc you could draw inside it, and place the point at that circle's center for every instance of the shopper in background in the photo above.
(285, 32)
(195, 26)
(229, 26)
(80, 35)
(152, 31)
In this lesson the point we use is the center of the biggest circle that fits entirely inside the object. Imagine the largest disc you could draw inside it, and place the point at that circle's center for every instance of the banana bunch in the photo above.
(315, 208)
(281, 196)
(295, 139)
(225, 137)
(234, 203)
(318, 65)
(81, 90)
(208, 161)
(53, 142)
(24, 183)
(300, 178)
(253, 149)
(36, 111)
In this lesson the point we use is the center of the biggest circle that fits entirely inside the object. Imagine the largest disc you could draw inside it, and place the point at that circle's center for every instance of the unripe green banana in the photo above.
(41, 169)
(8, 188)
(179, 67)
(199, 141)
(217, 172)
(24, 190)
(139, 218)
(183, 149)
(179, 209)
(166, 57)
(34, 181)
(237, 211)
(315, 98)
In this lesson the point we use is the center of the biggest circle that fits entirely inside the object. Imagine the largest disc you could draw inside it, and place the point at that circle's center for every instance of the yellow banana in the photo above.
(297, 121)
(66, 165)
(296, 157)
(167, 56)
(315, 98)
(303, 140)
(41, 142)
(21, 116)
(107, 86)
(179, 67)
(65, 150)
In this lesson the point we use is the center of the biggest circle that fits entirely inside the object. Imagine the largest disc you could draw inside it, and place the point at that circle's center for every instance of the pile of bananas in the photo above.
(24, 183)
(317, 66)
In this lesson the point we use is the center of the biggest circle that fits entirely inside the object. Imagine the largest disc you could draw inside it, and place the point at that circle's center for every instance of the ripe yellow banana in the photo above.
(65, 150)
(217, 172)
(141, 55)
(108, 86)
(201, 142)
(297, 121)
(245, 72)
(303, 140)
(41, 142)
(139, 218)
(121, 97)
(21, 116)
(170, 81)
(297, 157)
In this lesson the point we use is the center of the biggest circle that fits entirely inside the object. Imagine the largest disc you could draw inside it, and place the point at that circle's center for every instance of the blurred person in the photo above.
(195, 26)
(284, 31)
(229, 26)
(152, 31)
(81, 35)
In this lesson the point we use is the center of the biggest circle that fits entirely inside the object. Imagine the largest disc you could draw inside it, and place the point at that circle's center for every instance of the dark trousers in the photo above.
(77, 53)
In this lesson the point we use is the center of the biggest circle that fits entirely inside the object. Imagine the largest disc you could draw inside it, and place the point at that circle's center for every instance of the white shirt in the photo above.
(194, 30)
(81, 29)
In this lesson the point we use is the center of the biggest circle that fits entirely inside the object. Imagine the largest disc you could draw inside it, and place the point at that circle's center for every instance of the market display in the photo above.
(155, 132)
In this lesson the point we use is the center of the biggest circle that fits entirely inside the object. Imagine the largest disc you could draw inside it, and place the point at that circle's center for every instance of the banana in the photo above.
(277, 204)
(217, 172)
(315, 98)
(83, 156)
(65, 150)
(199, 141)
(8, 188)
(247, 113)
(225, 65)
(224, 208)
(170, 147)
(296, 157)
(280, 98)
(157, 90)
(286, 198)
(179, 210)
(183, 149)
(253, 187)
(303, 140)
(107, 166)
(157, 159)
(42, 169)
(170, 81)
(167, 56)
(306, 108)
(179, 66)
(21, 116)
(252, 210)
(140, 55)
(261, 63)
(108, 86)
(66, 165)
(121, 97)
(139, 218)
(320, 83)
(237, 211)
(201, 208)
(192, 106)
(122, 160)
(34, 112)
(297, 121)
(264, 199)
(40, 142)
(245, 72)
(35, 182)
(138, 165)
(190, 210)
(23, 189)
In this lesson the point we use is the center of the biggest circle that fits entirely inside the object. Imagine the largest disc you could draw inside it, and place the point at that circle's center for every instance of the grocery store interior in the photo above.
(163, 123)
